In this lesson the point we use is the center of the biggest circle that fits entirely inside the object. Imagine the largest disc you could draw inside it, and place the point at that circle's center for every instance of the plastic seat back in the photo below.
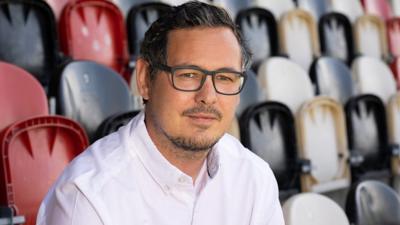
(94, 30)
(125, 5)
(367, 137)
(251, 93)
(277, 7)
(57, 6)
(139, 19)
(268, 130)
(114, 122)
(336, 36)
(373, 202)
(298, 37)
(315, 7)
(90, 92)
(34, 153)
(393, 119)
(313, 209)
(372, 76)
(232, 6)
(331, 77)
(370, 37)
(380, 8)
(322, 139)
(395, 67)
(352, 9)
(21, 95)
(393, 35)
(395, 7)
(28, 37)
(284, 81)
(259, 29)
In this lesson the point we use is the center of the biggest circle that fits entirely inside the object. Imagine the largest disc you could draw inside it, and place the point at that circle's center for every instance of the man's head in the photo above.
(186, 108)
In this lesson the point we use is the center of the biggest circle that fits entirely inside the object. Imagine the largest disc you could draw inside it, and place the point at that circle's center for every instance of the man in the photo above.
(173, 163)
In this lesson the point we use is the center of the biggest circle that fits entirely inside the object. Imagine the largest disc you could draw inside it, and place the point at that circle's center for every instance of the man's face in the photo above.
(193, 121)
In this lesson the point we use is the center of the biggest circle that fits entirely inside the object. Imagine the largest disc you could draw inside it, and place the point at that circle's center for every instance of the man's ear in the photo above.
(143, 78)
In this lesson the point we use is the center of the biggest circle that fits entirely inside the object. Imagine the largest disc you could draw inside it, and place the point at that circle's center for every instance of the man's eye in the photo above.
(225, 78)
(188, 76)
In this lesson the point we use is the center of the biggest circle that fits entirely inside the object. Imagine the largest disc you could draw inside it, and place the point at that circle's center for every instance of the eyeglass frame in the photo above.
(172, 69)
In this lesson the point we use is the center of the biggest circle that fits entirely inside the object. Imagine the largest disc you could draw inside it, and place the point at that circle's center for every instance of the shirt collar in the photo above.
(162, 171)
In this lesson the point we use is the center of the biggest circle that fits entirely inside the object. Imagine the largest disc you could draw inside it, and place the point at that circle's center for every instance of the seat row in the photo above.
(95, 30)
(326, 133)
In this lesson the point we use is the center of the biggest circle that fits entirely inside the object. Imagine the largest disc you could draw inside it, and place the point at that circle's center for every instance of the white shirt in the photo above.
(123, 179)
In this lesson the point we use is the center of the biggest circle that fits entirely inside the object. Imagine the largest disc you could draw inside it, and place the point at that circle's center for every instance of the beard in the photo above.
(192, 144)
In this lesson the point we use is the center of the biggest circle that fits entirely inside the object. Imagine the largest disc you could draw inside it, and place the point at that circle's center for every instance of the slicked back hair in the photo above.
(188, 15)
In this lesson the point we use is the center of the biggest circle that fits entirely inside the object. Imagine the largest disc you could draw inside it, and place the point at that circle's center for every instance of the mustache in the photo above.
(203, 109)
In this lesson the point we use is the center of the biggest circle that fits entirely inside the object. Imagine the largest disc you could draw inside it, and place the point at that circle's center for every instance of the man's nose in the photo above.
(207, 94)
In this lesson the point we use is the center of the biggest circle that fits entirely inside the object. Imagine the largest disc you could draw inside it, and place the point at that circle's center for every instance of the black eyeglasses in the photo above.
(192, 78)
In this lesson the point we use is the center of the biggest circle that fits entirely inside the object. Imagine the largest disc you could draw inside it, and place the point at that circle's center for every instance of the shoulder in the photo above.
(234, 155)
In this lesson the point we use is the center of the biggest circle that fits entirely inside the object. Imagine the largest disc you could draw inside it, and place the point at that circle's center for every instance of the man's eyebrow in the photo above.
(218, 69)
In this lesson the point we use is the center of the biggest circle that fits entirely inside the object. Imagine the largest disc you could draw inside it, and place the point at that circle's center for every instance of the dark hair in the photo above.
(188, 15)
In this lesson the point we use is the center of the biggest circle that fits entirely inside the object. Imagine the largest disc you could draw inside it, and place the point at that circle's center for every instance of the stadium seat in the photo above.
(251, 93)
(331, 77)
(268, 129)
(90, 92)
(395, 67)
(298, 37)
(381, 8)
(28, 37)
(351, 8)
(393, 35)
(372, 203)
(94, 30)
(259, 29)
(395, 7)
(368, 139)
(393, 118)
(57, 6)
(33, 154)
(336, 36)
(126, 5)
(322, 139)
(21, 95)
(370, 37)
(313, 209)
(373, 76)
(284, 81)
(232, 6)
(114, 122)
(139, 19)
(277, 7)
(315, 7)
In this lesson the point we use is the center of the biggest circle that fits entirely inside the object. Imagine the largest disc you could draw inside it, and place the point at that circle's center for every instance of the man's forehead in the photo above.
(217, 43)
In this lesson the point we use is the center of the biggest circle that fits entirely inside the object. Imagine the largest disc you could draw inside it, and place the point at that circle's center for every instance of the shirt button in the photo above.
(181, 180)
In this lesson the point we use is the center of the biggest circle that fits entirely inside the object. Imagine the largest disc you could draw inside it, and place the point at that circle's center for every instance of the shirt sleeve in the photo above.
(67, 206)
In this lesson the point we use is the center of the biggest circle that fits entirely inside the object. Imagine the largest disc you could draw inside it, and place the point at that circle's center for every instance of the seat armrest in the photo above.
(394, 150)
(355, 159)
(304, 166)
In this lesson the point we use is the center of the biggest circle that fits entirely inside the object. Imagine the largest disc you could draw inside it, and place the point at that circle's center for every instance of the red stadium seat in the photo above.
(21, 95)
(379, 8)
(94, 30)
(395, 66)
(33, 154)
(393, 34)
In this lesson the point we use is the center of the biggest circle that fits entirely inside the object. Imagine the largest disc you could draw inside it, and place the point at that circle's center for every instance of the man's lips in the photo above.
(202, 116)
